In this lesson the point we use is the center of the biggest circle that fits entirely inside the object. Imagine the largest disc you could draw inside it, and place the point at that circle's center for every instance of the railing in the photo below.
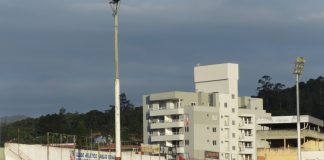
(289, 134)
(172, 121)
(245, 135)
(246, 159)
(167, 134)
(245, 147)
(245, 123)
(164, 108)
(173, 133)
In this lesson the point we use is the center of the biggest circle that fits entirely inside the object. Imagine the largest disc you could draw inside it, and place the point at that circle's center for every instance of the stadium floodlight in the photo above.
(299, 65)
(298, 70)
(114, 4)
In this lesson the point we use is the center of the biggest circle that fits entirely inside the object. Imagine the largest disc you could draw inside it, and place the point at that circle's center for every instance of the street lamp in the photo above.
(298, 70)
(114, 4)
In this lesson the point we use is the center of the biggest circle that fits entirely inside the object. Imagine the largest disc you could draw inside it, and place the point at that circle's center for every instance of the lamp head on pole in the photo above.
(114, 1)
(299, 65)
(114, 4)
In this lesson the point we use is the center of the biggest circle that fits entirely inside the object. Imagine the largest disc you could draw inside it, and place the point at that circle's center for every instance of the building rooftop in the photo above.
(289, 120)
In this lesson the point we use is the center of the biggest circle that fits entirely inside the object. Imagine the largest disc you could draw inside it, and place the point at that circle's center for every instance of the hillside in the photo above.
(281, 100)
(278, 100)
(82, 124)
(11, 119)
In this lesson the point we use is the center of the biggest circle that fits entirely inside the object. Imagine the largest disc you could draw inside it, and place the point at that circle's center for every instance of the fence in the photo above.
(79, 142)
(14, 151)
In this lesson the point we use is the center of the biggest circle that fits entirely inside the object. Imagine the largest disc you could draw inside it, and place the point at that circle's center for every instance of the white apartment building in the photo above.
(210, 123)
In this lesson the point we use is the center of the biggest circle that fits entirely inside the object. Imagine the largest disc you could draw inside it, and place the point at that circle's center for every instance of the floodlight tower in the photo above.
(298, 70)
(114, 4)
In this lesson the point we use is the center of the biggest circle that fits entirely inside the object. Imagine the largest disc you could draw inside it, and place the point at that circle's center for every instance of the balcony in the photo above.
(167, 124)
(246, 137)
(246, 125)
(166, 111)
(167, 137)
(247, 150)
(289, 134)
(249, 157)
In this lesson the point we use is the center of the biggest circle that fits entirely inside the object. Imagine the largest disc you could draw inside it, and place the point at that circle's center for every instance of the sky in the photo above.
(60, 53)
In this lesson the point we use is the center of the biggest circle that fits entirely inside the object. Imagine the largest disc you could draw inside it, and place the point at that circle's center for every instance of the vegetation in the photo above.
(81, 124)
(279, 100)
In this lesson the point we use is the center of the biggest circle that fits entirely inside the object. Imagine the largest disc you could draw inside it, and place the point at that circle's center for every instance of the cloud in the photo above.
(60, 53)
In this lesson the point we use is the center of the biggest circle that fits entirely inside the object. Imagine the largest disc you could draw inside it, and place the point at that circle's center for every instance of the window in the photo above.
(233, 110)
(193, 103)
(214, 143)
(207, 140)
(207, 115)
(214, 129)
(211, 100)
(187, 142)
(233, 135)
(233, 122)
(233, 148)
(233, 96)
(186, 129)
(225, 104)
(207, 128)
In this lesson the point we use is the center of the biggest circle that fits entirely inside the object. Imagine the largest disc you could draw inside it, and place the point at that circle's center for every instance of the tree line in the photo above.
(281, 100)
(277, 98)
(81, 124)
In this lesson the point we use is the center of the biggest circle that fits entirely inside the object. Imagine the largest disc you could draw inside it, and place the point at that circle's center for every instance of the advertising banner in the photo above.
(150, 148)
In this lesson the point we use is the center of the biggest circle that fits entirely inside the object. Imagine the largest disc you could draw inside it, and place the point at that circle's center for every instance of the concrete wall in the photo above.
(222, 78)
(202, 120)
(15, 151)
(311, 150)
(289, 154)
(277, 154)
(2, 154)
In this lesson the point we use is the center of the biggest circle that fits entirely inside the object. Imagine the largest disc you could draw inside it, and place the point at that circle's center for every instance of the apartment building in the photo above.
(210, 123)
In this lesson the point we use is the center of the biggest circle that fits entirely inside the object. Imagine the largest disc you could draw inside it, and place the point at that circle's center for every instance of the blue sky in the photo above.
(60, 53)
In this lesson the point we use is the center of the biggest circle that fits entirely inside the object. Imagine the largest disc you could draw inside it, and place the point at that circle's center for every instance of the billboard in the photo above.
(212, 155)
(150, 148)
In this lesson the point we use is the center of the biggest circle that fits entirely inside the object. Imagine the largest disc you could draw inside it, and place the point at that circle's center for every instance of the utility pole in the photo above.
(115, 8)
(298, 70)
(48, 143)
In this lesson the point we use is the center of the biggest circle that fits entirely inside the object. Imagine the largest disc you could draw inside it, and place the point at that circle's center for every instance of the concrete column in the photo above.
(285, 143)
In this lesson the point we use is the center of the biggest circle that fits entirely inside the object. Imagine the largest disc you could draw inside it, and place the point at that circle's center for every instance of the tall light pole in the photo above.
(298, 70)
(115, 8)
